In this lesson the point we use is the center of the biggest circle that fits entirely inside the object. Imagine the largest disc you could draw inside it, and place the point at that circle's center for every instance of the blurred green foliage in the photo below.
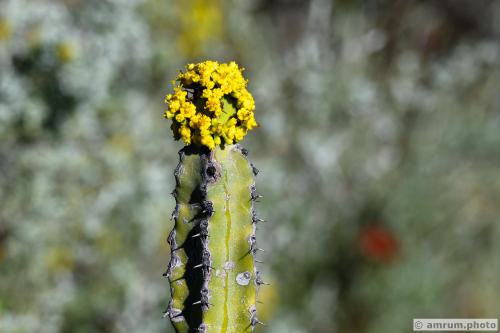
(379, 151)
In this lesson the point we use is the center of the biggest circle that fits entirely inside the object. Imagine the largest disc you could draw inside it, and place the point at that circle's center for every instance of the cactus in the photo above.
(212, 273)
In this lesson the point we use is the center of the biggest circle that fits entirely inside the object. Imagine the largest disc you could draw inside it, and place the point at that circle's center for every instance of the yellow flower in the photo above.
(5, 30)
(239, 134)
(185, 134)
(218, 109)
(168, 114)
(65, 52)
(208, 141)
(174, 106)
(187, 109)
(201, 24)
(179, 118)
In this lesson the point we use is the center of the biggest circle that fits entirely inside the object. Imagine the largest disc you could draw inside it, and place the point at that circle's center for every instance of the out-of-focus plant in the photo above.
(53, 65)
(68, 153)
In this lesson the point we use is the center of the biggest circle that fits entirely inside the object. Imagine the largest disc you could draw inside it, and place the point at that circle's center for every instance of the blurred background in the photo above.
(379, 152)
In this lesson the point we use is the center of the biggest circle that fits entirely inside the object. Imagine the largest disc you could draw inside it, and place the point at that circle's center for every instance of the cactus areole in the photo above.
(212, 273)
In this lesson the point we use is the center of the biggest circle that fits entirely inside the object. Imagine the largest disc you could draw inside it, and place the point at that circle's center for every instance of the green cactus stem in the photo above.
(212, 274)
(212, 271)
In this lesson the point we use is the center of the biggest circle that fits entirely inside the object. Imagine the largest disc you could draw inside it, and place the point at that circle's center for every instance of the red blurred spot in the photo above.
(378, 244)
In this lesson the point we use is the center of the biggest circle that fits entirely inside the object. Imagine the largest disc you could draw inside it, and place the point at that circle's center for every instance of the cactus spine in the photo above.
(212, 273)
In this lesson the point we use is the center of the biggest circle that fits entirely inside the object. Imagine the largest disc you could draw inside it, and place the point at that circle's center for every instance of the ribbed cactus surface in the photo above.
(212, 271)
(212, 274)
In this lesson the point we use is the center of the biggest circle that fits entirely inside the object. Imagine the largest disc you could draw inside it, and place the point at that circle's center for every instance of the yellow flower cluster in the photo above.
(211, 105)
